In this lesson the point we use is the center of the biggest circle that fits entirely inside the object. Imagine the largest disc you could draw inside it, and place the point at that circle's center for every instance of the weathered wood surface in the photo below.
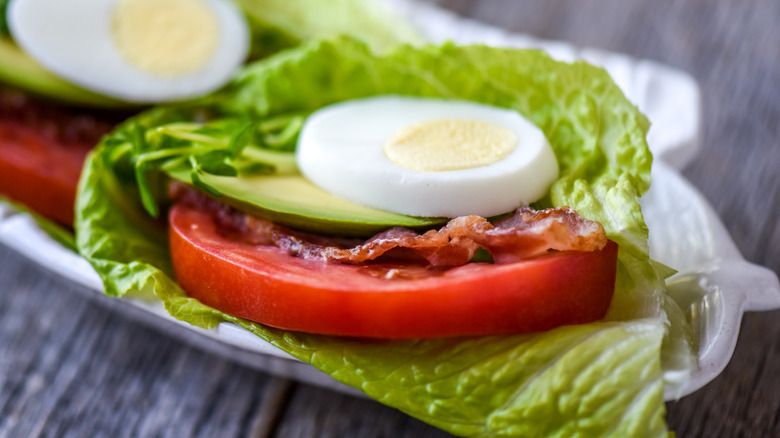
(71, 367)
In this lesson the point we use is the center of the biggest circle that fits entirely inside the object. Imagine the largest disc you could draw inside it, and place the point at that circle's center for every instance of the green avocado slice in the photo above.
(20, 71)
(292, 200)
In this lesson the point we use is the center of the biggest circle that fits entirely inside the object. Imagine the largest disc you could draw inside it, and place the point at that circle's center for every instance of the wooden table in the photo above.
(70, 366)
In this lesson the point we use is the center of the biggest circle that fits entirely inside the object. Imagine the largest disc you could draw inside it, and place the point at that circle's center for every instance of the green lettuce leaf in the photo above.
(280, 24)
(599, 379)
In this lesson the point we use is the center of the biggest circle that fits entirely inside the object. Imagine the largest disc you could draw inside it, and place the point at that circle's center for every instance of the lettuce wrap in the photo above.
(599, 379)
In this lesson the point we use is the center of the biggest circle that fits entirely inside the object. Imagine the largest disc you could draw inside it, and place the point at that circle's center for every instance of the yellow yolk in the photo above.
(165, 37)
(449, 144)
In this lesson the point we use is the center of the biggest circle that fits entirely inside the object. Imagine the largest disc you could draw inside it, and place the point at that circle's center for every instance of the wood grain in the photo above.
(71, 367)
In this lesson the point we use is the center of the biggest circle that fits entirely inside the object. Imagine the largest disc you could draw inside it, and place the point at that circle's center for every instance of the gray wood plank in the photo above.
(71, 366)
(317, 412)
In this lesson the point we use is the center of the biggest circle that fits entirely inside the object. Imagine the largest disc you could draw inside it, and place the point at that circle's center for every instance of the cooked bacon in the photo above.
(524, 234)
(528, 233)
(67, 126)
(437, 247)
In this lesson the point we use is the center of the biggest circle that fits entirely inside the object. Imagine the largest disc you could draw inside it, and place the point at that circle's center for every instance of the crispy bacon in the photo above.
(525, 233)
(528, 233)
(70, 127)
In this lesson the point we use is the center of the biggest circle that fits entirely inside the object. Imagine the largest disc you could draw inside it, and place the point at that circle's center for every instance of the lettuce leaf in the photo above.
(599, 379)
(280, 24)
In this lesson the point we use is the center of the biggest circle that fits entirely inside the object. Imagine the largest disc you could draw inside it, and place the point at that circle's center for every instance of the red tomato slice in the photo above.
(42, 149)
(38, 172)
(265, 284)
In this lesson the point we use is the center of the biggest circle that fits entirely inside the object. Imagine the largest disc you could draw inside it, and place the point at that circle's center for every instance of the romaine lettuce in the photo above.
(279, 24)
(599, 379)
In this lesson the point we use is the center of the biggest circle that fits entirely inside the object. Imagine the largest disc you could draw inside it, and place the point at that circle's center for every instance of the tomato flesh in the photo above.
(266, 285)
(39, 172)
(42, 150)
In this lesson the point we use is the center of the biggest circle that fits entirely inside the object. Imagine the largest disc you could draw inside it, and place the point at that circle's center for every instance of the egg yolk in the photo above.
(449, 144)
(165, 37)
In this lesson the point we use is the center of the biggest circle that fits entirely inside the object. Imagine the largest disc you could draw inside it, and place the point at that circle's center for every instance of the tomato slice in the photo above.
(266, 285)
(42, 150)
(38, 172)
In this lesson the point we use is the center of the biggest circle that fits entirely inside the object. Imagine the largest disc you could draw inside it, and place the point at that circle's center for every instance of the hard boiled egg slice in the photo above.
(136, 50)
(427, 157)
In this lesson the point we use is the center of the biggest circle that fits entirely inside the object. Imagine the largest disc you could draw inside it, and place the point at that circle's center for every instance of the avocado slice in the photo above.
(20, 71)
(292, 200)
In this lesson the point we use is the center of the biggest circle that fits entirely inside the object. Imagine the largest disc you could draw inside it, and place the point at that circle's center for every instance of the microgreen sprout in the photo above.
(204, 149)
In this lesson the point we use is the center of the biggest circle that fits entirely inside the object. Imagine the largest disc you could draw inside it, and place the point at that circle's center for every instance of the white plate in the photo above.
(715, 285)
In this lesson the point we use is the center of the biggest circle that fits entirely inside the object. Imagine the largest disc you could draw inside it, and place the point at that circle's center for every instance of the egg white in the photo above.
(340, 150)
(74, 40)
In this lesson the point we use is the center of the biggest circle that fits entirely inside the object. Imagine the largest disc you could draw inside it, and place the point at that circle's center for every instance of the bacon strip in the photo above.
(74, 127)
(528, 233)
(525, 233)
